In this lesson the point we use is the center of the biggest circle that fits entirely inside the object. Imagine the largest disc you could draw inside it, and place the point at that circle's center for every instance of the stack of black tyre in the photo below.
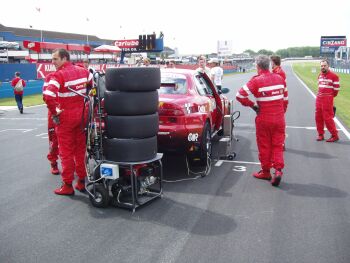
(132, 122)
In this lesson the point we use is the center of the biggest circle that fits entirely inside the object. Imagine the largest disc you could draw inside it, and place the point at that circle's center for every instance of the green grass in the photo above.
(29, 100)
(308, 72)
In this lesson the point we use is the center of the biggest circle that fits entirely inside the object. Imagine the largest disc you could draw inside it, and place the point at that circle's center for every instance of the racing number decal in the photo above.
(239, 168)
(192, 137)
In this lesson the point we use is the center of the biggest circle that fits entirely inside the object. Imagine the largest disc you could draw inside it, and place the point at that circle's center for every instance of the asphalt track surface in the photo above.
(228, 216)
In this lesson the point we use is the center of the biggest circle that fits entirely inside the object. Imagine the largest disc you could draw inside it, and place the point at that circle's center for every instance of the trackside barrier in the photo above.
(32, 87)
(341, 70)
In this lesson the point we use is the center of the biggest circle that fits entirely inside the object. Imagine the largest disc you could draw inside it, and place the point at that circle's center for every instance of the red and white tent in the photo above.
(107, 49)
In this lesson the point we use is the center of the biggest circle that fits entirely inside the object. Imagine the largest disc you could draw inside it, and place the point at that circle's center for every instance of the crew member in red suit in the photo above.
(276, 68)
(328, 88)
(271, 96)
(68, 113)
(52, 156)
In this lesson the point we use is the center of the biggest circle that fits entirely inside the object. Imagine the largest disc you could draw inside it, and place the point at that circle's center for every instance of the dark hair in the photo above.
(324, 60)
(276, 60)
(17, 74)
(62, 53)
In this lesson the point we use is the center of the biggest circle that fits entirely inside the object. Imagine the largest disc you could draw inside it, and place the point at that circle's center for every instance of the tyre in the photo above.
(133, 79)
(102, 86)
(130, 150)
(119, 103)
(141, 126)
(206, 144)
(101, 198)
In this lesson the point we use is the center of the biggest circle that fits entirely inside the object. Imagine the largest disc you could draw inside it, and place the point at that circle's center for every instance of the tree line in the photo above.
(288, 52)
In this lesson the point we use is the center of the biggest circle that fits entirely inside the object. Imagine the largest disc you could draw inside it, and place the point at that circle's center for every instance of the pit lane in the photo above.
(227, 216)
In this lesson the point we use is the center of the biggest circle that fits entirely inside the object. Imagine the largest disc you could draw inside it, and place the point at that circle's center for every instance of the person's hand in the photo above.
(256, 108)
(58, 111)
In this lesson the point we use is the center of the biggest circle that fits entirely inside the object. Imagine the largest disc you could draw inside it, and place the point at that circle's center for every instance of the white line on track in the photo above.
(22, 130)
(220, 162)
(41, 134)
(342, 128)
(16, 119)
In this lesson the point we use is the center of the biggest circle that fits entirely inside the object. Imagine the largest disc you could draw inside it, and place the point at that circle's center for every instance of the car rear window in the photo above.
(172, 83)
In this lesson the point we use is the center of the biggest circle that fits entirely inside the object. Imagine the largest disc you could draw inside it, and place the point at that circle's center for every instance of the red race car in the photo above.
(191, 112)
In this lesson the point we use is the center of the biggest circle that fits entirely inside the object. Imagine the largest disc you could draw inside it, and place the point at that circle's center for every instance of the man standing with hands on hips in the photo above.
(271, 96)
(68, 112)
(328, 88)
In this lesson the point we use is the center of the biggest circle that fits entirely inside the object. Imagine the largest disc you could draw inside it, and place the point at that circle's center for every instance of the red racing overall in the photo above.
(52, 156)
(70, 131)
(278, 70)
(271, 95)
(328, 88)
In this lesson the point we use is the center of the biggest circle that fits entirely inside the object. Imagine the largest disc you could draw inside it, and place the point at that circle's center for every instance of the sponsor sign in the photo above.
(35, 46)
(330, 44)
(224, 48)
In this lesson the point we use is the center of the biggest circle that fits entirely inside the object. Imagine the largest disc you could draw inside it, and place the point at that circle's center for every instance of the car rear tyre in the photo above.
(141, 126)
(130, 150)
(133, 79)
(206, 144)
(119, 103)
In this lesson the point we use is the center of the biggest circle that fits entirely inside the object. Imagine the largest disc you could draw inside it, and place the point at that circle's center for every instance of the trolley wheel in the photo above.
(101, 198)
(231, 156)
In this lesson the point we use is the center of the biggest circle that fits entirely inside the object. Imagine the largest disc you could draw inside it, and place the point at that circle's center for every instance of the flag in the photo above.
(37, 9)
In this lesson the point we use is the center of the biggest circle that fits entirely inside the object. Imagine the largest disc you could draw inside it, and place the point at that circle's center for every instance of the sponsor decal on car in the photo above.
(192, 137)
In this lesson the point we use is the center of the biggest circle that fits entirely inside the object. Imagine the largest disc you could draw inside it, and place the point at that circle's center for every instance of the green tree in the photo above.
(265, 52)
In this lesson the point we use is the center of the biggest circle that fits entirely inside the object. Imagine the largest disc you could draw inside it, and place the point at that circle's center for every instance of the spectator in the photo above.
(328, 88)
(171, 64)
(67, 107)
(18, 84)
(270, 121)
(202, 62)
(216, 73)
(146, 62)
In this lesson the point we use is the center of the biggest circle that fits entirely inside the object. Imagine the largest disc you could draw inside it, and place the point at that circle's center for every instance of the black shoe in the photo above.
(21, 110)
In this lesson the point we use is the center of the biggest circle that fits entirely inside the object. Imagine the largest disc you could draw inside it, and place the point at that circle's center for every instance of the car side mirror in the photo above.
(225, 90)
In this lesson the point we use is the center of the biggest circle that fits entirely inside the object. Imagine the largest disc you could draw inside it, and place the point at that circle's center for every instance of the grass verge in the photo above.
(308, 72)
(29, 100)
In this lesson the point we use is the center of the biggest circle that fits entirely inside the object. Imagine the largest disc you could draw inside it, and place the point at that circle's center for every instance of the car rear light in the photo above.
(170, 112)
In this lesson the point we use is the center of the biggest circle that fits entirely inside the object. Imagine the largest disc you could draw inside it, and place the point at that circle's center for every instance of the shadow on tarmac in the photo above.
(312, 190)
(309, 154)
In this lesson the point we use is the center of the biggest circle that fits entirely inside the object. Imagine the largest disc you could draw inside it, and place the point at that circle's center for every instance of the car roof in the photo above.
(187, 72)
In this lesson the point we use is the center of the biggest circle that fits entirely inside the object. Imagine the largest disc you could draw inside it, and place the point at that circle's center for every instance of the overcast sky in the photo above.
(193, 26)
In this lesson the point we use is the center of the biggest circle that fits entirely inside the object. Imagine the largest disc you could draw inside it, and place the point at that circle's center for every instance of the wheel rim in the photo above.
(208, 142)
(98, 197)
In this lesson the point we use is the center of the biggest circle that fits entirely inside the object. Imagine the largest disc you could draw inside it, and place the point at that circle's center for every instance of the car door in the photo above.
(205, 88)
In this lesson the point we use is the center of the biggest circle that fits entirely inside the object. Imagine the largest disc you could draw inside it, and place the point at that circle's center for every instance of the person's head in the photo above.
(86, 63)
(202, 61)
(275, 61)
(262, 62)
(324, 65)
(171, 64)
(214, 62)
(17, 74)
(59, 57)
(146, 62)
